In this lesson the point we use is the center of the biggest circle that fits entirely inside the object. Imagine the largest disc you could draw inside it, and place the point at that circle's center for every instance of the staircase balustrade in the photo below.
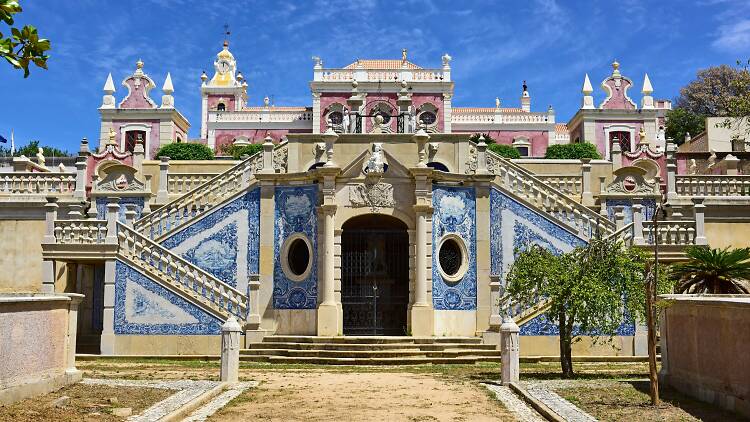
(712, 185)
(199, 200)
(570, 184)
(31, 183)
(169, 268)
(80, 232)
(182, 183)
(526, 185)
(670, 233)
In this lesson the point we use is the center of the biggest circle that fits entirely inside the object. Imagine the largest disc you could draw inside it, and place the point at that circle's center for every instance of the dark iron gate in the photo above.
(375, 281)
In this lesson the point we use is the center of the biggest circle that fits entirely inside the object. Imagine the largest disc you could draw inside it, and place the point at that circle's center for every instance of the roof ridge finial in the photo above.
(226, 35)
(615, 68)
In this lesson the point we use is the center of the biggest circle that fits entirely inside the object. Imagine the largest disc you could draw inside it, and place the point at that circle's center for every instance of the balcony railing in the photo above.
(712, 185)
(26, 183)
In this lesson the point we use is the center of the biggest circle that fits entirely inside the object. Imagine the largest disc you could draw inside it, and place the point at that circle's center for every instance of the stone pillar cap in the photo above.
(231, 325)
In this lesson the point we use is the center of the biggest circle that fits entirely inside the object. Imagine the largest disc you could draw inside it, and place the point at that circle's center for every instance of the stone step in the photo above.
(371, 339)
(369, 361)
(370, 354)
(368, 346)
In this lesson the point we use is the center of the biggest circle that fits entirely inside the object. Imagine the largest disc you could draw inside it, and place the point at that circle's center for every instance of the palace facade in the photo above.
(369, 212)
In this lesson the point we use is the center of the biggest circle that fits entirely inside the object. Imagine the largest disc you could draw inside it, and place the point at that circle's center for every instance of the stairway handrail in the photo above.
(608, 225)
(241, 304)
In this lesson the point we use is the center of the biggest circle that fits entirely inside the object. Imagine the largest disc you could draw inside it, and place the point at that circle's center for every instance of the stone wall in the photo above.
(21, 257)
(704, 348)
(38, 335)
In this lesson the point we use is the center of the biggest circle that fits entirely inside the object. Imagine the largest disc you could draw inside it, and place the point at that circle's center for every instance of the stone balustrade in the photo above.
(526, 185)
(182, 183)
(712, 185)
(500, 117)
(196, 202)
(570, 184)
(381, 75)
(264, 115)
(80, 232)
(32, 183)
(182, 275)
(669, 233)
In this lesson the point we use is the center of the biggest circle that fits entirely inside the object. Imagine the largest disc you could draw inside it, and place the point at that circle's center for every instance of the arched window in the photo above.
(221, 107)
(131, 136)
(621, 137)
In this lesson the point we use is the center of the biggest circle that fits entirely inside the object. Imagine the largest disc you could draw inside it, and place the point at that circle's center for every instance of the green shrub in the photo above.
(572, 151)
(237, 151)
(487, 138)
(506, 151)
(185, 151)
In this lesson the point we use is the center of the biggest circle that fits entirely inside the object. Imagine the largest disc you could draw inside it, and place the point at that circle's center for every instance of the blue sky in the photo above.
(494, 45)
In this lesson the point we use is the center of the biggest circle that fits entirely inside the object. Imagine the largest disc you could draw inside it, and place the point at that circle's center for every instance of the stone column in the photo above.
(700, 221)
(113, 211)
(510, 351)
(48, 265)
(71, 372)
(616, 156)
(230, 351)
(162, 195)
(671, 172)
(421, 311)
(329, 321)
(638, 223)
(80, 192)
(587, 198)
(328, 324)
(108, 321)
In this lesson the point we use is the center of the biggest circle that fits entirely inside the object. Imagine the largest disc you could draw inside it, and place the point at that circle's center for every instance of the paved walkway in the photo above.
(512, 402)
(542, 391)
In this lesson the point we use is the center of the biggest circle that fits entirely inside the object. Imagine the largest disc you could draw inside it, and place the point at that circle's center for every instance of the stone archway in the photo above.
(374, 275)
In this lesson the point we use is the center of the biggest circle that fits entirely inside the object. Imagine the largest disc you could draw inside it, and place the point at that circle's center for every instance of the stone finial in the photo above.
(266, 101)
(447, 60)
(317, 62)
(240, 78)
(647, 88)
(421, 137)
(168, 88)
(109, 85)
(40, 156)
(587, 89)
(138, 68)
(616, 69)
(204, 77)
(330, 137)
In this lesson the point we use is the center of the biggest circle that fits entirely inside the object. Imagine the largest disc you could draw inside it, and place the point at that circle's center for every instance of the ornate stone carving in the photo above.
(472, 162)
(374, 195)
(375, 164)
(630, 180)
(280, 160)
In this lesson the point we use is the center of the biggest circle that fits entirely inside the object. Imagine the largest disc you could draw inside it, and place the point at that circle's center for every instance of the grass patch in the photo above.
(629, 400)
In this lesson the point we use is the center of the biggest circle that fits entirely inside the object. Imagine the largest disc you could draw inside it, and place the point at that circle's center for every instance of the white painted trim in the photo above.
(137, 126)
(618, 128)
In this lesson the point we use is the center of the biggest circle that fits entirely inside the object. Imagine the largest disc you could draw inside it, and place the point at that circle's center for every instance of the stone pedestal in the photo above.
(230, 351)
(510, 351)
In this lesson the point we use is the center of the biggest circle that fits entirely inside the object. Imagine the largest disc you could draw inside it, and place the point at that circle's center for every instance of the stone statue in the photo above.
(112, 136)
(375, 163)
(446, 59)
(345, 120)
(40, 156)
(266, 101)
(403, 55)
(497, 102)
(693, 168)
(712, 159)
(412, 119)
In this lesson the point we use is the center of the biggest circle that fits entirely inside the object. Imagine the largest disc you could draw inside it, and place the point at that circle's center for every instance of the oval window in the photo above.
(298, 257)
(427, 118)
(451, 257)
(336, 117)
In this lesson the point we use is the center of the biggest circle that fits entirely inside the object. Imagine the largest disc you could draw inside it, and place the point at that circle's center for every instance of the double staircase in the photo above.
(370, 350)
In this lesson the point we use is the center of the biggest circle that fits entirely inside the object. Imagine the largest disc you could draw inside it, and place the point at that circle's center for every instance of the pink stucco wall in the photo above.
(33, 341)
(435, 99)
(153, 139)
(326, 99)
(256, 136)
(137, 98)
(706, 342)
(214, 100)
(601, 140)
(618, 100)
(539, 139)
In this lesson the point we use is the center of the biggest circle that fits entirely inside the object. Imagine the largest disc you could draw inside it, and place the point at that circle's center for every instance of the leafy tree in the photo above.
(738, 107)
(185, 151)
(32, 149)
(591, 290)
(237, 151)
(716, 271)
(681, 121)
(710, 93)
(502, 150)
(23, 46)
(572, 151)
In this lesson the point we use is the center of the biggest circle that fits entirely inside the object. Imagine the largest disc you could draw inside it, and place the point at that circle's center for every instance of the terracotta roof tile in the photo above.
(277, 108)
(561, 128)
(380, 64)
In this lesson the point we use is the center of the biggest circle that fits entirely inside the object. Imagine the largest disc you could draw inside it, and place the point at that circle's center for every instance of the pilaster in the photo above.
(329, 323)
(421, 312)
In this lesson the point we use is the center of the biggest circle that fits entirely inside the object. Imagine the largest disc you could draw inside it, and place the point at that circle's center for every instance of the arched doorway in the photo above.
(375, 275)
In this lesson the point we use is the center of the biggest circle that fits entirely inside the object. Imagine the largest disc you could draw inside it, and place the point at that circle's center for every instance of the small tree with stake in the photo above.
(591, 290)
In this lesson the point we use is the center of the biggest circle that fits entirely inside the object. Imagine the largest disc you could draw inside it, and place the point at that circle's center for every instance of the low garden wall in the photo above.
(37, 344)
(704, 341)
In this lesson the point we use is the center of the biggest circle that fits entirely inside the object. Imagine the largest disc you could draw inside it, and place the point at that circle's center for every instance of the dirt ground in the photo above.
(86, 403)
(325, 396)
